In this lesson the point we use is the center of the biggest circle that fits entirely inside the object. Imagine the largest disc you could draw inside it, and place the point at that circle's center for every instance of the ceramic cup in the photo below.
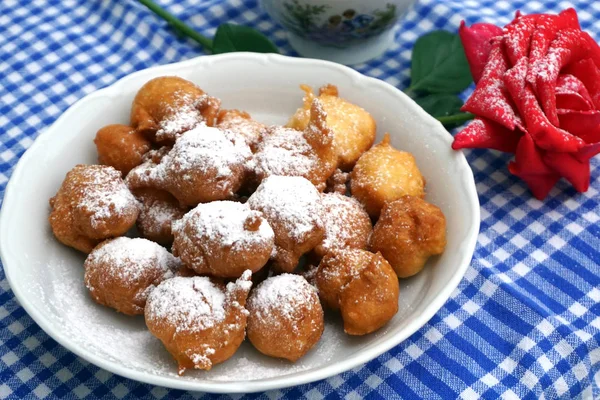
(344, 31)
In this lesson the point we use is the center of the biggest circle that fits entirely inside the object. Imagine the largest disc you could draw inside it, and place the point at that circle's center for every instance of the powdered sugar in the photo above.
(190, 304)
(204, 150)
(182, 116)
(105, 194)
(244, 283)
(284, 151)
(242, 124)
(225, 224)
(291, 201)
(157, 215)
(283, 295)
(346, 222)
(130, 258)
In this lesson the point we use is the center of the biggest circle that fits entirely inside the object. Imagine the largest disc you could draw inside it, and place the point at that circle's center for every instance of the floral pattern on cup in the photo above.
(311, 22)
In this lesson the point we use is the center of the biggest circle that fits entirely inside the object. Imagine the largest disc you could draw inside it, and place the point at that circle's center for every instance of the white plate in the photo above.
(46, 276)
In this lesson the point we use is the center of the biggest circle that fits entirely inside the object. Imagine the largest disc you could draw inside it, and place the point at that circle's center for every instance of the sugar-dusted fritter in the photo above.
(362, 285)
(384, 174)
(201, 323)
(338, 182)
(223, 239)
(242, 123)
(292, 206)
(285, 317)
(167, 106)
(121, 272)
(92, 204)
(353, 128)
(205, 164)
(159, 209)
(121, 147)
(409, 231)
(308, 153)
(347, 224)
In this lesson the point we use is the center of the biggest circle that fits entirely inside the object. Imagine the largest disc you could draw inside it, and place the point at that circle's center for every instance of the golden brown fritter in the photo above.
(167, 106)
(353, 128)
(409, 231)
(384, 174)
(199, 322)
(159, 209)
(92, 204)
(223, 239)
(121, 147)
(289, 152)
(121, 272)
(347, 224)
(362, 285)
(204, 165)
(285, 317)
(338, 182)
(292, 206)
(242, 123)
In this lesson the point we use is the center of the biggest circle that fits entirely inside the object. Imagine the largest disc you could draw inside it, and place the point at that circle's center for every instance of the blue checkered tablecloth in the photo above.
(523, 323)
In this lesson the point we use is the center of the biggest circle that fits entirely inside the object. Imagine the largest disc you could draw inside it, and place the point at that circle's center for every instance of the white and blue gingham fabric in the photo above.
(524, 322)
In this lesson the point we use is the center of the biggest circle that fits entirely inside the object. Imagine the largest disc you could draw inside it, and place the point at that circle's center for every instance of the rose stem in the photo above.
(455, 119)
(178, 25)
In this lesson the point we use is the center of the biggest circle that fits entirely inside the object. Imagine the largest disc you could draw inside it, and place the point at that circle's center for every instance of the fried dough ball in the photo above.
(91, 205)
(198, 322)
(168, 106)
(121, 147)
(384, 174)
(290, 152)
(242, 123)
(362, 285)
(285, 317)
(347, 224)
(409, 231)
(159, 209)
(119, 273)
(205, 164)
(353, 128)
(338, 182)
(223, 239)
(292, 206)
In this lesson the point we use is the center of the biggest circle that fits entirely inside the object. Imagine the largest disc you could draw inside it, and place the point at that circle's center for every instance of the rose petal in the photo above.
(594, 48)
(569, 46)
(482, 133)
(571, 94)
(543, 34)
(546, 135)
(490, 99)
(545, 31)
(587, 152)
(588, 73)
(568, 19)
(476, 41)
(584, 124)
(569, 167)
(514, 79)
(517, 37)
(529, 166)
(571, 101)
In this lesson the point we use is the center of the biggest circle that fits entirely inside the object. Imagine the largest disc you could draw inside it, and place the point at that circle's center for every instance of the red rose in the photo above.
(537, 95)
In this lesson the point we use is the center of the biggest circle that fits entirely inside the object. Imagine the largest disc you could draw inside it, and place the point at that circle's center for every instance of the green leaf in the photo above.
(230, 38)
(440, 105)
(439, 64)
(445, 108)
